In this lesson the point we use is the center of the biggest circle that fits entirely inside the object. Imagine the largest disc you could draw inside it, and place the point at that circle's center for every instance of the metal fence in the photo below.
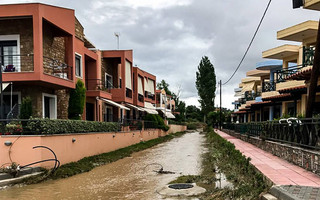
(302, 132)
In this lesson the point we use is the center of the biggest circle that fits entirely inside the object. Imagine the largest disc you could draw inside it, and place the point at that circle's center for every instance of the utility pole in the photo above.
(220, 105)
(314, 77)
(117, 34)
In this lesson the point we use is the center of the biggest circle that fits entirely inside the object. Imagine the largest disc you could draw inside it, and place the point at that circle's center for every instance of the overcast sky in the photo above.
(169, 37)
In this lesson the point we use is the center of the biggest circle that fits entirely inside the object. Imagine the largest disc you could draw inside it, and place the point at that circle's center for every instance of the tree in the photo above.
(206, 85)
(164, 85)
(76, 101)
(26, 108)
(193, 113)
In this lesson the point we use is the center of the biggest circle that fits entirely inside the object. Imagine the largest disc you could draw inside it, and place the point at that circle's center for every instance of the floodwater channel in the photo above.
(129, 178)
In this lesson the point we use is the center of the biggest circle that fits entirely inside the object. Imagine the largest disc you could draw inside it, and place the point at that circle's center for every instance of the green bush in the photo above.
(26, 108)
(195, 125)
(76, 101)
(59, 126)
(157, 120)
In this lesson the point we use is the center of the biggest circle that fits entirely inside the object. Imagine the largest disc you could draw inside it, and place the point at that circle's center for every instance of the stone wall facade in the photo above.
(54, 49)
(62, 103)
(79, 30)
(307, 159)
(23, 28)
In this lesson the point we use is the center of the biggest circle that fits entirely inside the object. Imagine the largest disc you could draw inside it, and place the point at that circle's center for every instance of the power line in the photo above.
(246, 52)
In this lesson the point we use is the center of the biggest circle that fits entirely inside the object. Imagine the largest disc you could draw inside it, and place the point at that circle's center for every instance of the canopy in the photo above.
(248, 87)
(149, 108)
(150, 111)
(168, 114)
(135, 107)
(113, 103)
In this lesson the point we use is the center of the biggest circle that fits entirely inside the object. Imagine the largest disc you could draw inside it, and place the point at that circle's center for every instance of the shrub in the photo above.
(59, 126)
(157, 120)
(76, 101)
(195, 125)
(26, 108)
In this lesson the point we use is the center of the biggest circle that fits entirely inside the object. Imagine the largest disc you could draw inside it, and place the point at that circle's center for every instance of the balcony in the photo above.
(140, 98)
(128, 93)
(251, 96)
(96, 87)
(268, 86)
(149, 96)
(57, 68)
(16, 63)
(307, 62)
(24, 63)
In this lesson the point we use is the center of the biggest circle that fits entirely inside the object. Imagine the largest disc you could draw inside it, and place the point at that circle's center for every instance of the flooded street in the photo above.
(129, 178)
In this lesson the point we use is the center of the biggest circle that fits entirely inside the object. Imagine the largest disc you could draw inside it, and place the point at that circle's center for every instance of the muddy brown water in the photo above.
(128, 178)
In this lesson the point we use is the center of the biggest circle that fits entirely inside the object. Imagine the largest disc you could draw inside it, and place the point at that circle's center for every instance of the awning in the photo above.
(248, 87)
(150, 111)
(169, 115)
(4, 86)
(113, 103)
(149, 108)
(134, 107)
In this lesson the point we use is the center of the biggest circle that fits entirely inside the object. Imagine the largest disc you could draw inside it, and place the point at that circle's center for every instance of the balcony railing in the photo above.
(16, 63)
(307, 60)
(57, 68)
(301, 132)
(268, 86)
(149, 95)
(251, 96)
(98, 84)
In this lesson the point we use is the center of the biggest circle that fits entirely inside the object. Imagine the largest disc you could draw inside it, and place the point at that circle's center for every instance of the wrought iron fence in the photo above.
(302, 132)
(268, 86)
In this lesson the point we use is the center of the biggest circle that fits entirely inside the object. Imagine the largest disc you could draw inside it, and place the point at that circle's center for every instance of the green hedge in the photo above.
(59, 126)
(157, 120)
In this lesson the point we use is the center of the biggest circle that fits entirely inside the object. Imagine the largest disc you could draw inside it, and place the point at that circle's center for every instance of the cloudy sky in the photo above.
(169, 37)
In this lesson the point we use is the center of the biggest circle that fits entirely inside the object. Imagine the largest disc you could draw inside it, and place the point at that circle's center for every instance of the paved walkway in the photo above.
(279, 171)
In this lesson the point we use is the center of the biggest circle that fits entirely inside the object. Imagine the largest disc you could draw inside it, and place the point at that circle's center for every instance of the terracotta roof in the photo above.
(261, 103)
(280, 96)
(302, 75)
(293, 89)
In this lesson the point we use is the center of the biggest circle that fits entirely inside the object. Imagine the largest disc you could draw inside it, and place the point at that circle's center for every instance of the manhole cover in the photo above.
(180, 186)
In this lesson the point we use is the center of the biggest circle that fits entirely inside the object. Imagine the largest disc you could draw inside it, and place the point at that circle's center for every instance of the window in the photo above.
(78, 65)
(120, 83)
(108, 81)
(9, 53)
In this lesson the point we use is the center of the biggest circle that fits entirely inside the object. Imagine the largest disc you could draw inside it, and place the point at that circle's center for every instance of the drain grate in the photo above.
(180, 186)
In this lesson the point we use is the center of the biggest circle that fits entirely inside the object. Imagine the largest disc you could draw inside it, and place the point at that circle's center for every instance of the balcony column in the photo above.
(37, 44)
(271, 113)
(245, 118)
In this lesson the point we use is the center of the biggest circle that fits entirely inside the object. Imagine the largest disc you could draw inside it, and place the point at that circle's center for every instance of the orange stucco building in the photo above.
(44, 52)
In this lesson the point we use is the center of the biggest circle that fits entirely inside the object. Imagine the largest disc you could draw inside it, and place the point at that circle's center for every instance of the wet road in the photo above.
(129, 178)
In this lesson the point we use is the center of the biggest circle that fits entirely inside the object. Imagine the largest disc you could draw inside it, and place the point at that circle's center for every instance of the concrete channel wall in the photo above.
(305, 158)
(71, 147)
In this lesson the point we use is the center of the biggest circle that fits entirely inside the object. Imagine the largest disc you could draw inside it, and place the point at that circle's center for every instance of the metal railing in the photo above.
(16, 63)
(307, 60)
(98, 84)
(57, 68)
(140, 98)
(301, 132)
(128, 93)
(268, 86)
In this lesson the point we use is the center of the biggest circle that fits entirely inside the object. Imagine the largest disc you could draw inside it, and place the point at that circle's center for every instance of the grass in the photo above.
(222, 155)
(88, 163)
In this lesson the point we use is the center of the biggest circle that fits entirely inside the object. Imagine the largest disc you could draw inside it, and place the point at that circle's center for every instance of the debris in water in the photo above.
(160, 171)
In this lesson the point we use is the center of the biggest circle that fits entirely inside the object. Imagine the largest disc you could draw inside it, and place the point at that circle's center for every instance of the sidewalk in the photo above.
(279, 171)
